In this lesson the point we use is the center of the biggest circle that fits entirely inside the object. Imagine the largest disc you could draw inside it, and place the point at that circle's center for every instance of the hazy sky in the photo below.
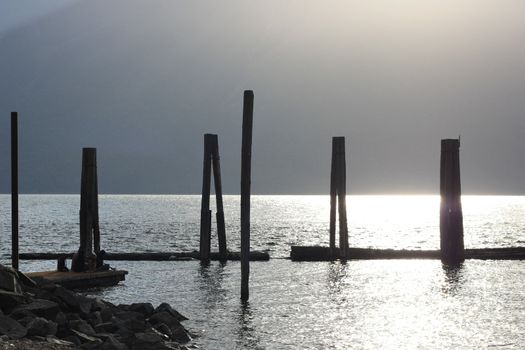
(143, 81)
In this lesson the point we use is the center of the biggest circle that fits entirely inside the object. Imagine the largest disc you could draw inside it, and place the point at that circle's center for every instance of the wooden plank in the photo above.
(79, 280)
(14, 190)
(246, 158)
(317, 253)
(151, 256)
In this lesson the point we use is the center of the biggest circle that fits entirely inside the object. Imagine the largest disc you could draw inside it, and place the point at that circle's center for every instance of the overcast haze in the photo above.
(143, 81)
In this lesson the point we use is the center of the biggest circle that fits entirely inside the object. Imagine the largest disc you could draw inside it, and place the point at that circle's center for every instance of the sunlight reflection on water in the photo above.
(402, 304)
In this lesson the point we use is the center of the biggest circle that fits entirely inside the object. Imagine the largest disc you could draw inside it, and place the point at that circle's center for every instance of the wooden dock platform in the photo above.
(79, 280)
(317, 253)
(151, 256)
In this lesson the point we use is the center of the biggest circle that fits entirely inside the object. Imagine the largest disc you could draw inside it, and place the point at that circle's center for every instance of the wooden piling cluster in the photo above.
(89, 220)
(212, 159)
(338, 198)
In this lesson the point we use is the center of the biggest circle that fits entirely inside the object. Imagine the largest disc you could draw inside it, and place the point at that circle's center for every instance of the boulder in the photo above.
(166, 307)
(106, 327)
(147, 341)
(40, 307)
(82, 326)
(106, 314)
(55, 340)
(145, 309)
(11, 328)
(111, 343)
(41, 327)
(74, 301)
(164, 317)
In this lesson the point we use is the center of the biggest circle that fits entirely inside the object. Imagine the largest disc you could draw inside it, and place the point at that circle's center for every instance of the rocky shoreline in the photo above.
(52, 317)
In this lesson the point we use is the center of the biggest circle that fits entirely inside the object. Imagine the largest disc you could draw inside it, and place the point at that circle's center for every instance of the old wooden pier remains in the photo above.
(451, 252)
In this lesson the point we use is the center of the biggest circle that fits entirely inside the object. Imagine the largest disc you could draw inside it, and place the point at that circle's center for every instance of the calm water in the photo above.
(361, 304)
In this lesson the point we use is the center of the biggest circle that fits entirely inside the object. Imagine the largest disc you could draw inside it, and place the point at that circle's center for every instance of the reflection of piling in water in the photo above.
(246, 158)
(451, 216)
(338, 195)
(14, 190)
(211, 158)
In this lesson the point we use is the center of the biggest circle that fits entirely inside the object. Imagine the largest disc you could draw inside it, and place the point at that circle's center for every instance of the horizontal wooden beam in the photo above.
(150, 256)
(317, 253)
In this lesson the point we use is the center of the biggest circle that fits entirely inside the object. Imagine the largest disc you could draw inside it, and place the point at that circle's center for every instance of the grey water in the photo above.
(401, 304)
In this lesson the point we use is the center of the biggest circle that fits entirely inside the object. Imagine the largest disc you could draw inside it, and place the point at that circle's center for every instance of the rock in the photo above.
(73, 339)
(41, 327)
(74, 301)
(147, 341)
(132, 324)
(164, 317)
(20, 314)
(166, 307)
(9, 280)
(127, 315)
(40, 307)
(106, 314)
(85, 338)
(106, 327)
(164, 329)
(55, 340)
(82, 326)
(111, 343)
(11, 328)
(61, 319)
(145, 309)
(94, 318)
(180, 335)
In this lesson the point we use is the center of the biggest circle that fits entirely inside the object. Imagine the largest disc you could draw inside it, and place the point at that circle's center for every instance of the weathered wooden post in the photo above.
(333, 200)
(96, 226)
(451, 216)
(221, 227)
(341, 195)
(338, 196)
(246, 157)
(205, 201)
(88, 202)
(14, 190)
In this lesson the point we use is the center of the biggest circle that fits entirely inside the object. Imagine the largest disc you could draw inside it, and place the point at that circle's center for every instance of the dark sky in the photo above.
(143, 81)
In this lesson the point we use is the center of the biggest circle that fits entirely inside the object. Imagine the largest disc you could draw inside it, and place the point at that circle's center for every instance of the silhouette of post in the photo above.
(338, 196)
(333, 200)
(14, 190)
(451, 216)
(221, 227)
(205, 201)
(88, 203)
(246, 158)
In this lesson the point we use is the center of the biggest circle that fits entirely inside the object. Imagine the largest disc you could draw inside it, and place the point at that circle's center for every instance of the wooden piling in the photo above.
(246, 156)
(14, 190)
(88, 202)
(205, 201)
(451, 216)
(333, 200)
(221, 227)
(341, 195)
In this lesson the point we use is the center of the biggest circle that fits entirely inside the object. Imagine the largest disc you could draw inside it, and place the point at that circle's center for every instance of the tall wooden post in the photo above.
(88, 201)
(341, 195)
(14, 190)
(221, 227)
(96, 226)
(246, 158)
(338, 196)
(333, 199)
(451, 215)
(205, 201)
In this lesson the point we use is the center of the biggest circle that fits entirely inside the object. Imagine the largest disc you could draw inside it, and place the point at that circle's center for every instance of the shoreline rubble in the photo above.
(50, 316)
